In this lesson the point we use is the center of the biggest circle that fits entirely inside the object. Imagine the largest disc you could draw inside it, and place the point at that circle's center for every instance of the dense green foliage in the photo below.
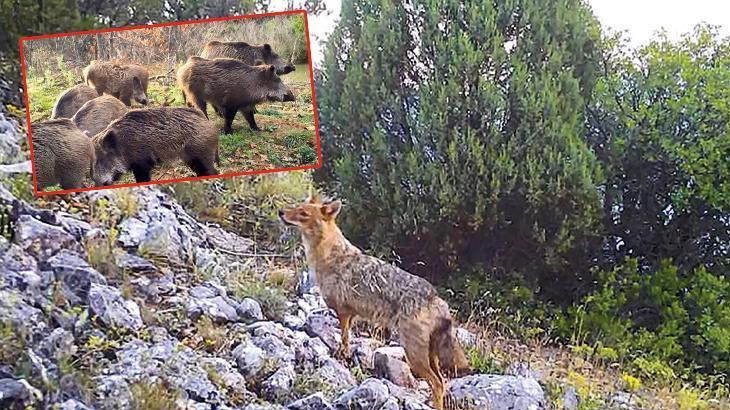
(514, 153)
(465, 141)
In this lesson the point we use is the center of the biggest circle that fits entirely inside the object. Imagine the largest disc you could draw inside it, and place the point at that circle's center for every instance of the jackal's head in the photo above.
(314, 218)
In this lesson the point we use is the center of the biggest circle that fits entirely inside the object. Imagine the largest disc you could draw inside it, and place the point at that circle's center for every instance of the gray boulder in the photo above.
(75, 276)
(370, 394)
(278, 386)
(389, 363)
(313, 402)
(325, 325)
(250, 359)
(18, 393)
(112, 309)
(42, 240)
(498, 392)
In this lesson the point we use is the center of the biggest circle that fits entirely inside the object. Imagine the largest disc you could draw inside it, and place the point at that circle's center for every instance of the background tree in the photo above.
(457, 135)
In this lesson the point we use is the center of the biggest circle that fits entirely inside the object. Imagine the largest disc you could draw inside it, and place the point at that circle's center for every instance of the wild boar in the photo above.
(98, 113)
(71, 100)
(62, 154)
(145, 138)
(230, 85)
(122, 81)
(247, 53)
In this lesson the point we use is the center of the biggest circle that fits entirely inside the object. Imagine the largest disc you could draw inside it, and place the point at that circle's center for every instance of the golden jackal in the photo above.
(355, 284)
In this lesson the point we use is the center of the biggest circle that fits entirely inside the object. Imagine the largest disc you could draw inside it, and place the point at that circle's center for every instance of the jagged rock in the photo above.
(268, 406)
(112, 309)
(326, 326)
(466, 337)
(18, 392)
(370, 394)
(226, 374)
(10, 137)
(18, 270)
(494, 391)
(279, 384)
(24, 318)
(390, 404)
(183, 372)
(17, 168)
(389, 363)
(154, 287)
(413, 404)
(315, 401)
(249, 311)
(133, 263)
(571, 399)
(294, 322)
(217, 308)
(72, 404)
(363, 351)
(308, 350)
(58, 345)
(623, 401)
(74, 226)
(132, 231)
(337, 376)
(268, 328)
(275, 348)
(75, 276)
(112, 393)
(306, 283)
(309, 303)
(250, 359)
(42, 240)
(524, 370)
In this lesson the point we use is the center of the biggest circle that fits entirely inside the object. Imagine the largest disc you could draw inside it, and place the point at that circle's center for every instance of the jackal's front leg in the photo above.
(344, 350)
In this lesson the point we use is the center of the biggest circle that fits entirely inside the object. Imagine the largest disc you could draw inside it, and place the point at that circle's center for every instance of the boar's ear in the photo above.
(331, 209)
(267, 48)
(109, 142)
(258, 62)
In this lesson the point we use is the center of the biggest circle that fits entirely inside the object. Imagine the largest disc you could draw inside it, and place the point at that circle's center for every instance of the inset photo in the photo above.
(170, 102)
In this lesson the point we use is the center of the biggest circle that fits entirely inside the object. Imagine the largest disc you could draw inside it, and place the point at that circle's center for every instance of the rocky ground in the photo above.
(120, 299)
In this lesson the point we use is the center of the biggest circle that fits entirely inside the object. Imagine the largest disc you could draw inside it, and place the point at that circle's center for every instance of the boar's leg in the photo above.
(200, 104)
(230, 114)
(125, 97)
(142, 173)
(71, 181)
(201, 167)
(248, 114)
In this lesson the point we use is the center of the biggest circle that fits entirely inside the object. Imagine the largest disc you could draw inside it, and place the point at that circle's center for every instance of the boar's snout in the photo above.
(288, 68)
(142, 100)
(289, 96)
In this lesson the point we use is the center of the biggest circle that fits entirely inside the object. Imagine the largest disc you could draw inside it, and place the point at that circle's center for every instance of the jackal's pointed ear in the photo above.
(331, 209)
(314, 199)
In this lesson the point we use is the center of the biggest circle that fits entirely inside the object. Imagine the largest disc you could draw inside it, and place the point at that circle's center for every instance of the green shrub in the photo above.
(661, 321)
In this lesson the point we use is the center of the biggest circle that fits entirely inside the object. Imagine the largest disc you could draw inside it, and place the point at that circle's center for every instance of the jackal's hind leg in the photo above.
(343, 352)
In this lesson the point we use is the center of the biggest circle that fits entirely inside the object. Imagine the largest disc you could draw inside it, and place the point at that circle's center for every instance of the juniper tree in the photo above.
(456, 132)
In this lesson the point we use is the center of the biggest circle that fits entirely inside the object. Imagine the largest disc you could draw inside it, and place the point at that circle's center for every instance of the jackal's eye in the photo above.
(304, 214)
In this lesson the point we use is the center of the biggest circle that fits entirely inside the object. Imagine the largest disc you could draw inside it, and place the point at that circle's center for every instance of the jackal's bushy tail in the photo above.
(452, 360)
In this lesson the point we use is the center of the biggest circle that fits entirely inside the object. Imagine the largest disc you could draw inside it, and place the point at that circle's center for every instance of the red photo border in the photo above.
(175, 23)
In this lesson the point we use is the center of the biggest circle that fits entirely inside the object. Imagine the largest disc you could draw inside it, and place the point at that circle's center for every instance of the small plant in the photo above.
(153, 396)
(481, 362)
(631, 383)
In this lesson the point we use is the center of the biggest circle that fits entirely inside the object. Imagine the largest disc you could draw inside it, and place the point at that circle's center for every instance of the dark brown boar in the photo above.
(145, 138)
(62, 154)
(125, 82)
(98, 113)
(247, 53)
(71, 100)
(230, 85)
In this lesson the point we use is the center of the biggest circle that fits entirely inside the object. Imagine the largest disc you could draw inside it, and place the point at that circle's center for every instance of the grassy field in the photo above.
(287, 137)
